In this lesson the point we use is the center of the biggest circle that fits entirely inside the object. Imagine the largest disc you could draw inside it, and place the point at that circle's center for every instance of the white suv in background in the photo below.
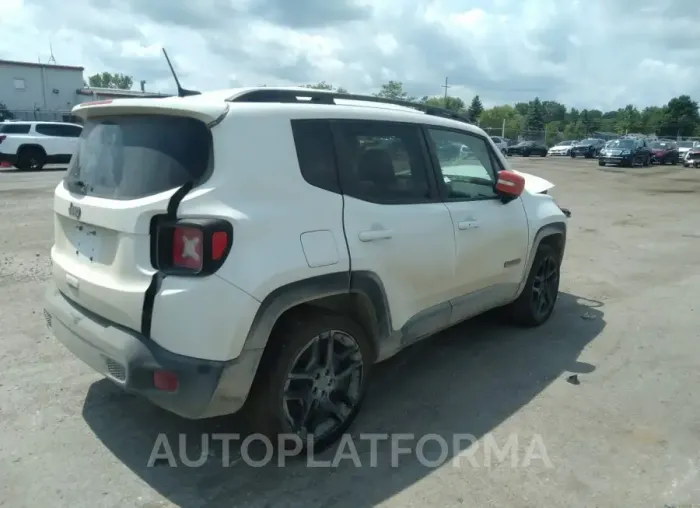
(263, 248)
(501, 144)
(31, 145)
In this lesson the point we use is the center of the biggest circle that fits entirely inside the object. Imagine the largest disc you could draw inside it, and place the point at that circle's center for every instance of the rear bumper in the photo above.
(205, 388)
(8, 158)
(616, 160)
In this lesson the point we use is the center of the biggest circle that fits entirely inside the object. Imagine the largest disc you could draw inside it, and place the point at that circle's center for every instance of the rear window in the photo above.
(10, 128)
(132, 156)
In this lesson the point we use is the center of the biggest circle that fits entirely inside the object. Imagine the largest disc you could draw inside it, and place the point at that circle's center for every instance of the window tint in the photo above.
(128, 157)
(316, 153)
(383, 162)
(63, 131)
(14, 128)
(466, 163)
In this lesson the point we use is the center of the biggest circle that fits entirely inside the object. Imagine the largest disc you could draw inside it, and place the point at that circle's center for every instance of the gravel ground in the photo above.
(627, 433)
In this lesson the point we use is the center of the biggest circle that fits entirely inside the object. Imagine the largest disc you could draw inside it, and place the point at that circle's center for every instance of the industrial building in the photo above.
(42, 91)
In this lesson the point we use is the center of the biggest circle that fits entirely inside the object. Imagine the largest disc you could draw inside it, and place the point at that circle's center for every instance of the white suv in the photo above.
(269, 246)
(32, 145)
(501, 144)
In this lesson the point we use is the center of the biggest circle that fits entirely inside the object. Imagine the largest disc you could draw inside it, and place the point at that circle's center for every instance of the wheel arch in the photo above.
(553, 234)
(30, 146)
(358, 294)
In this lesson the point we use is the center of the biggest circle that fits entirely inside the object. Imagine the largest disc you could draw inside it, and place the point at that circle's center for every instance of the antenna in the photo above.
(52, 60)
(181, 92)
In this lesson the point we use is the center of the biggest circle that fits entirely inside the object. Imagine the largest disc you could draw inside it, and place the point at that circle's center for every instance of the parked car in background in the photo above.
(501, 143)
(588, 148)
(562, 148)
(29, 146)
(692, 158)
(625, 152)
(684, 147)
(528, 148)
(664, 152)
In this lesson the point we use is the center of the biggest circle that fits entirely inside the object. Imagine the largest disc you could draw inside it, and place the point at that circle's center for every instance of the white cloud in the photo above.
(600, 53)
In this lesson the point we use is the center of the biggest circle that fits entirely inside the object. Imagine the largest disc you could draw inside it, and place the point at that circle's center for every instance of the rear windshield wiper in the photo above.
(80, 185)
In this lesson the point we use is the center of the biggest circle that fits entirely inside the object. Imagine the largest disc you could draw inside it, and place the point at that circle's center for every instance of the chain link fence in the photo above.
(548, 137)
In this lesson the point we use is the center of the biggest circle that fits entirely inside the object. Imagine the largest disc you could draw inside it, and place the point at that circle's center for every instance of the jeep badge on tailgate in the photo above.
(74, 211)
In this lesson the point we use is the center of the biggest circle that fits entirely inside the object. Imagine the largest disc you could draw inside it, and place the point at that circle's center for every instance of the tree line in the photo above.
(678, 117)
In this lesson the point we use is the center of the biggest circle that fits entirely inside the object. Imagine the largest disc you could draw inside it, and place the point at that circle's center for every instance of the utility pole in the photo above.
(445, 86)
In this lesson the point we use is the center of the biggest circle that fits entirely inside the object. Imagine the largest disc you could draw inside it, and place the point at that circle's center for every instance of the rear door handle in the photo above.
(467, 224)
(375, 234)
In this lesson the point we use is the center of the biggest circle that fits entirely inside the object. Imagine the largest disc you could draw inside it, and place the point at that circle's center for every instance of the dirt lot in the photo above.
(627, 434)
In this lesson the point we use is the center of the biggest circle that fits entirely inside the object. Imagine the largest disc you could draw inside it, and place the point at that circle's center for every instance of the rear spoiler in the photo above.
(207, 111)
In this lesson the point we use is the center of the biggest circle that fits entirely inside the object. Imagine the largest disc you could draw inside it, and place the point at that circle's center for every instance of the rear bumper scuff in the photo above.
(206, 388)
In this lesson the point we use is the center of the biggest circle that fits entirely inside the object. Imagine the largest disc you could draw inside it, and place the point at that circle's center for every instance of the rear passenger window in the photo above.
(315, 153)
(382, 162)
(14, 128)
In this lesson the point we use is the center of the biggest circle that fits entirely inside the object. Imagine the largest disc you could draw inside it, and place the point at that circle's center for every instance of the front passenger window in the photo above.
(467, 165)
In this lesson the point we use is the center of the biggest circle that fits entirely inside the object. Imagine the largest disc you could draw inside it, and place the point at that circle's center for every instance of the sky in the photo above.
(585, 53)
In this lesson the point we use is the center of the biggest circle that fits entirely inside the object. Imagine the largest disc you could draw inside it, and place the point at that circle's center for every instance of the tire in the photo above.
(647, 162)
(526, 154)
(601, 163)
(522, 310)
(31, 159)
(543, 154)
(573, 155)
(267, 411)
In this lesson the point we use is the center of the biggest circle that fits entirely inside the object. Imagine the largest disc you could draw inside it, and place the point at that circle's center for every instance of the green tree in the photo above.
(628, 119)
(475, 109)
(680, 117)
(5, 114)
(452, 103)
(523, 108)
(534, 122)
(109, 80)
(394, 90)
(554, 111)
(326, 86)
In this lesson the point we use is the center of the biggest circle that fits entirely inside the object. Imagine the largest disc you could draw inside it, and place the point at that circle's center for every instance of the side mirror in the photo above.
(510, 185)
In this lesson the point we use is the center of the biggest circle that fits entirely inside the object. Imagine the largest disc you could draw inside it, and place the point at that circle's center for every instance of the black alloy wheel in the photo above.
(545, 287)
(311, 380)
(324, 385)
(536, 302)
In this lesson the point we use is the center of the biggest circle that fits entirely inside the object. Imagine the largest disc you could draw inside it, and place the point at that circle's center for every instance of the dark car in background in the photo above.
(528, 148)
(625, 152)
(588, 148)
(664, 152)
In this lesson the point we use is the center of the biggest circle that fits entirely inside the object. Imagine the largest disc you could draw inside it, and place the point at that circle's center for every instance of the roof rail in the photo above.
(312, 96)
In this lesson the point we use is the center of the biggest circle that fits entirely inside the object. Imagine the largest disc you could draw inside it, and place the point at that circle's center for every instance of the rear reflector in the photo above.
(165, 381)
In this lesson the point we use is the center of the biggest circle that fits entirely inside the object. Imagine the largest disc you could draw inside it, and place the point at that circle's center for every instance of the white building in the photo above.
(36, 91)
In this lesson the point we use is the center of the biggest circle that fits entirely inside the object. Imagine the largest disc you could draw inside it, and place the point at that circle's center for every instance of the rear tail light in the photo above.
(191, 246)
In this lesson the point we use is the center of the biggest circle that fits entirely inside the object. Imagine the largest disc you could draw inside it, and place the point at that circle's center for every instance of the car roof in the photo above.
(352, 107)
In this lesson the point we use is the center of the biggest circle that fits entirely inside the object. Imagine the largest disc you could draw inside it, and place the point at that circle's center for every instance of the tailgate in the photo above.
(124, 172)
